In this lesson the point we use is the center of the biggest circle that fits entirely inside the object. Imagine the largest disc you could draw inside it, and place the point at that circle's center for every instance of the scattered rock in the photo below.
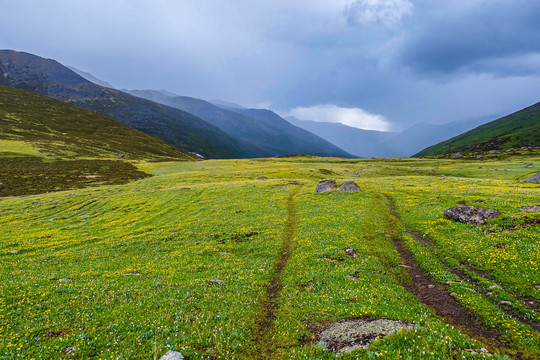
(182, 188)
(62, 280)
(494, 287)
(69, 350)
(172, 355)
(442, 176)
(325, 185)
(353, 278)
(404, 266)
(120, 156)
(534, 208)
(489, 293)
(262, 177)
(14, 251)
(456, 155)
(479, 156)
(431, 286)
(356, 174)
(36, 203)
(482, 351)
(84, 216)
(470, 214)
(528, 164)
(504, 302)
(217, 281)
(452, 282)
(351, 252)
(349, 186)
(348, 335)
(535, 179)
(493, 152)
(132, 274)
(453, 294)
(412, 166)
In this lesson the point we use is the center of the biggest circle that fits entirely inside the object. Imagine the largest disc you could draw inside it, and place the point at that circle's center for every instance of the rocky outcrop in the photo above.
(470, 214)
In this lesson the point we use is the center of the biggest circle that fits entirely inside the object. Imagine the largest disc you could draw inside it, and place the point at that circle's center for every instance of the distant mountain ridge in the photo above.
(180, 129)
(61, 130)
(91, 77)
(264, 128)
(379, 144)
(518, 129)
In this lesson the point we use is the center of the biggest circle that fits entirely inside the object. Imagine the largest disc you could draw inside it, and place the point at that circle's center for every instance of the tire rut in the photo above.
(263, 331)
(440, 301)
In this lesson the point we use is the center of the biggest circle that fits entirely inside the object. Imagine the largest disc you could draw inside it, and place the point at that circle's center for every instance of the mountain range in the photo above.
(262, 127)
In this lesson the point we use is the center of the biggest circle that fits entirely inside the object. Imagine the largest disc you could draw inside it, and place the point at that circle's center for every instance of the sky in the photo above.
(374, 64)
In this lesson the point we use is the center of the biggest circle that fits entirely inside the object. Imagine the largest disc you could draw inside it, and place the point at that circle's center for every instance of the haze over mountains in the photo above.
(221, 129)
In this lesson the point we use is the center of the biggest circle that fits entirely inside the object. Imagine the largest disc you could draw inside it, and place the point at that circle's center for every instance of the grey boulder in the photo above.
(325, 185)
(172, 355)
(470, 214)
(535, 179)
(349, 186)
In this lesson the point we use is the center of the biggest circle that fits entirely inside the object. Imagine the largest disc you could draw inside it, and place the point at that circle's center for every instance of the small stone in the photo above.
(69, 350)
(84, 216)
(262, 177)
(494, 287)
(120, 156)
(453, 294)
(489, 293)
(325, 185)
(479, 157)
(65, 280)
(351, 252)
(442, 176)
(36, 203)
(451, 282)
(349, 186)
(132, 274)
(217, 281)
(404, 266)
(353, 278)
(14, 251)
(172, 355)
(431, 286)
(504, 302)
(456, 155)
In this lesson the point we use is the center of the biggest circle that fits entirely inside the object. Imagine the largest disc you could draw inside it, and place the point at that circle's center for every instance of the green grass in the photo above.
(182, 260)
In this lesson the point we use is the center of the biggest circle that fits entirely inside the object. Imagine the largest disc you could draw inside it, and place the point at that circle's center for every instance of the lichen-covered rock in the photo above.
(535, 179)
(534, 208)
(348, 335)
(470, 214)
(172, 355)
(349, 186)
(325, 185)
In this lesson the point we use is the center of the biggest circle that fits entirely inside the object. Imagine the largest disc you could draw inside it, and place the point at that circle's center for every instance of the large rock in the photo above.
(534, 208)
(325, 185)
(348, 335)
(535, 179)
(349, 186)
(172, 355)
(470, 214)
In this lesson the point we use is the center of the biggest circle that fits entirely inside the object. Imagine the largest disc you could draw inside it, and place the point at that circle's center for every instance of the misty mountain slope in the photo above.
(274, 120)
(178, 128)
(363, 143)
(421, 135)
(274, 134)
(61, 130)
(91, 77)
(518, 129)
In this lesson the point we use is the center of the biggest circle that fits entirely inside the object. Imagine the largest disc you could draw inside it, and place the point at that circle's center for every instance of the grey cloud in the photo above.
(481, 40)
(387, 13)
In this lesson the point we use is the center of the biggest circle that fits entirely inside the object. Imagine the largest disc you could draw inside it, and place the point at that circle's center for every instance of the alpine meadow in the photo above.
(270, 180)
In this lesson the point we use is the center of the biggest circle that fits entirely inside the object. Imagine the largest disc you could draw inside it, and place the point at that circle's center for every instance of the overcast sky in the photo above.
(374, 64)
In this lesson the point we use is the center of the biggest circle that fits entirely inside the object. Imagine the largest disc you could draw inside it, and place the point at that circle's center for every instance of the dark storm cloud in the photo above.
(497, 37)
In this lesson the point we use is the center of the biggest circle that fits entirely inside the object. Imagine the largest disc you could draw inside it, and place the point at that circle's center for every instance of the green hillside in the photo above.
(519, 129)
(32, 124)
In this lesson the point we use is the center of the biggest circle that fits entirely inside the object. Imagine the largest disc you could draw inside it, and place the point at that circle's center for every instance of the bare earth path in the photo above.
(264, 324)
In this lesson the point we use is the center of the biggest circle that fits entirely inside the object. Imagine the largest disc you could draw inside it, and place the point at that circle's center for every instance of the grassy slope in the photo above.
(521, 128)
(157, 267)
(56, 129)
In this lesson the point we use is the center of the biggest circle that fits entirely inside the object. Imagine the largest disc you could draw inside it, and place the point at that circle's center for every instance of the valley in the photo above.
(241, 259)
